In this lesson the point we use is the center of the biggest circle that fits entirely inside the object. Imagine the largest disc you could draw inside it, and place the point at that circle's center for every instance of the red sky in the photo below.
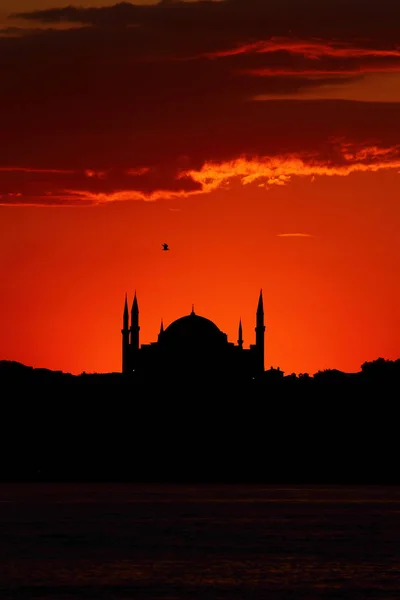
(260, 140)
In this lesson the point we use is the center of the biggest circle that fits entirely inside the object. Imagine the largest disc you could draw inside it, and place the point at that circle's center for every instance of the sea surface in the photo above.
(119, 541)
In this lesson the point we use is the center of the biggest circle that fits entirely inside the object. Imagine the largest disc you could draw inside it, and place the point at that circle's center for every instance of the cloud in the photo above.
(332, 18)
(56, 187)
(178, 98)
(279, 170)
(313, 49)
(379, 87)
(294, 235)
(88, 187)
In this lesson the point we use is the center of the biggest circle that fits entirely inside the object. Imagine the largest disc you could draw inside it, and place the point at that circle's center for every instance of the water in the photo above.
(120, 541)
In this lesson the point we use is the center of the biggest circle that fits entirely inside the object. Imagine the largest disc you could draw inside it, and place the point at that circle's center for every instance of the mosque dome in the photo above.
(192, 330)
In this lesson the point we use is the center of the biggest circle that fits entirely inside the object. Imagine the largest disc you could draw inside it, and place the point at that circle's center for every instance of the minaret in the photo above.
(161, 330)
(125, 337)
(260, 332)
(134, 346)
(240, 336)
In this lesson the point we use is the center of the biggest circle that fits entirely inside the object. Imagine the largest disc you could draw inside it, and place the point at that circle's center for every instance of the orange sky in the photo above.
(267, 157)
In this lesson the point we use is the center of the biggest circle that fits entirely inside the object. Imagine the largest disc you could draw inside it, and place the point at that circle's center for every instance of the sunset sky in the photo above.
(259, 138)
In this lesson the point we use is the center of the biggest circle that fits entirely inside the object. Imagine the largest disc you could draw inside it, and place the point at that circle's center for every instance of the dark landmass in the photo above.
(332, 427)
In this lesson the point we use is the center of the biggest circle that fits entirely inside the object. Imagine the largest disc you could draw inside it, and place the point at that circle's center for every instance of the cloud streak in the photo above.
(301, 235)
(312, 49)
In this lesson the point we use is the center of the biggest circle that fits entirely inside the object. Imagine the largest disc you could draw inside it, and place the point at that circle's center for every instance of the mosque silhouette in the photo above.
(191, 344)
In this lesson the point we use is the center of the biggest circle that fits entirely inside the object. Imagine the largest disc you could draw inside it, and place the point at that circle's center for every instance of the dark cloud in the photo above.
(241, 19)
(139, 87)
(68, 187)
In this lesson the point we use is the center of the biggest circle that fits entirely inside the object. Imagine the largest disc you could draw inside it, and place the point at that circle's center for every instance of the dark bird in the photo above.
(165, 247)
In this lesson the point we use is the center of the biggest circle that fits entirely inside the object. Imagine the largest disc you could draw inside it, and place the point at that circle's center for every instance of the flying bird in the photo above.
(165, 247)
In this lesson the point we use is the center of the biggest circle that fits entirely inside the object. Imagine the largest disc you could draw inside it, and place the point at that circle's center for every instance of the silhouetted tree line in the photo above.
(379, 370)
(330, 427)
